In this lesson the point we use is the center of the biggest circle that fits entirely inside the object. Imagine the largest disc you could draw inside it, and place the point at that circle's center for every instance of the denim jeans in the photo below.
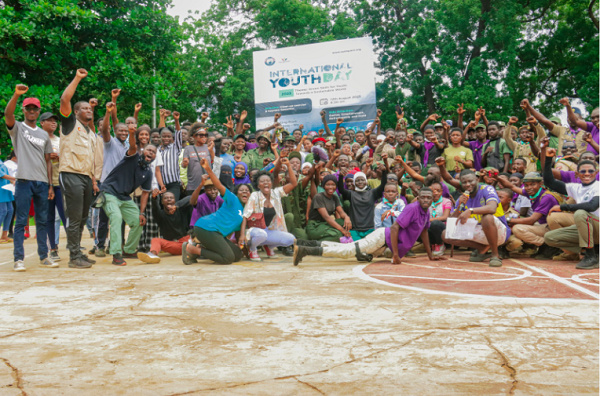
(53, 206)
(6, 212)
(25, 190)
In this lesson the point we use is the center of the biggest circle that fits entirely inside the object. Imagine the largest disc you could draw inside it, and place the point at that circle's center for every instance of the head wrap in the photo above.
(225, 177)
(328, 178)
(245, 179)
(359, 175)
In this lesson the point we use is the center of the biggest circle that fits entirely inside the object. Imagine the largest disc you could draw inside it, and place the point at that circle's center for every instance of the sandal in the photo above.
(495, 262)
(477, 257)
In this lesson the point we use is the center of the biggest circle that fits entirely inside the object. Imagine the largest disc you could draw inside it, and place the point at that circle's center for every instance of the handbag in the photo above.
(257, 220)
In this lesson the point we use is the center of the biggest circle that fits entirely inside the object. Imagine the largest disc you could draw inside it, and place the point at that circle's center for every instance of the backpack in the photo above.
(494, 159)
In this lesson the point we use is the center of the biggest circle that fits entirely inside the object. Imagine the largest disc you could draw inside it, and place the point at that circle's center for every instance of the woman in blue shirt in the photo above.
(213, 231)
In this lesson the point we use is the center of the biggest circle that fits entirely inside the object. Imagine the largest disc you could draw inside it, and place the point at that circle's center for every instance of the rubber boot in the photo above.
(360, 256)
(589, 261)
(304, 242)
(302, 251)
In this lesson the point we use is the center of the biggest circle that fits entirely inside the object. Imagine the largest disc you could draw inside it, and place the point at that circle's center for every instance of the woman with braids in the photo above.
(264, 221)
(213, 231)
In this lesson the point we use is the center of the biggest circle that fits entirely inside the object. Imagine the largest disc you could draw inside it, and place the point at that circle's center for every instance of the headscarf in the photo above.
(244, 179)
(225, 177)
(358, 175)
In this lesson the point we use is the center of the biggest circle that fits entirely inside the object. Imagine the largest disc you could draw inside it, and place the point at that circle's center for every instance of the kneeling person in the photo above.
(400, 237)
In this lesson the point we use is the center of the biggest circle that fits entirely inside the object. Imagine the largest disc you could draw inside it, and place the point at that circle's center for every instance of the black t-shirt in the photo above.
(269, 214)
(322, 201)
(68, 123)
(126, 177)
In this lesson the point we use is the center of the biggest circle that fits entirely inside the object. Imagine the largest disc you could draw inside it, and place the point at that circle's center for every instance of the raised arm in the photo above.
(346, 195)
(65, 99)
(549, 125)
(136, 111)
(132, 141)
(504, 182)
(105, 130)
(441, 163)
(293, 181)
(196, 193)
(461, 111)
(549, 180)
(432, 117)
(571, 114)
(217, 183)
(114, 95)
(409, 170)
(9, 112)
(507, 135)
(323, 119)
(93, 103)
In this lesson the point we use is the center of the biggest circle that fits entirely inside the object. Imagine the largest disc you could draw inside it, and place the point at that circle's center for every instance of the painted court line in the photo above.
(559, 279)
(524, 275)
(12, 261)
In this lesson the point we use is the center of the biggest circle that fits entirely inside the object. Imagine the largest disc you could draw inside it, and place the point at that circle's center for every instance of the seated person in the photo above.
(389, 208)
(439, 212)
(362, 200)
(325, 207)
(513, 243)
(411, 224)
(583, 235)
(481, 202)
(531, 229)
(207, 203)
(173, 221)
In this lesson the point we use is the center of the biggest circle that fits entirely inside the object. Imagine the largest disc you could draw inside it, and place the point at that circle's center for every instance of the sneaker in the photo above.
(26, 235)
(589, 261)
(495, 262)
(87, 259)
(186, 257)
(54, 256)
(149, 257)
(48, 263)
(100, 252)
(19, 266)
(254, 255)
(270, 252)
(129, 255)
(79, 263)
(442, 249)
(438, 250)
(566, 256)
(118, 260)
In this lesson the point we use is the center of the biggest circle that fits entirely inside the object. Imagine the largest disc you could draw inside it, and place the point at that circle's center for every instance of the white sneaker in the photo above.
(19, 266)
(48, 263)
(149, 257)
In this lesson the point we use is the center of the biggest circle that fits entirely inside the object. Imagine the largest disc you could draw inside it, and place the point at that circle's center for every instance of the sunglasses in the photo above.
(586, 171)
(201, 135)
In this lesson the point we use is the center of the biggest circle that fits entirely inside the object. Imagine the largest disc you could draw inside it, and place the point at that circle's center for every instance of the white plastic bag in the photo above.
(455, 230)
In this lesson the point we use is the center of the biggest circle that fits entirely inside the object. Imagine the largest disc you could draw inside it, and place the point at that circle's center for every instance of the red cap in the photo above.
(319, 139)
(32, 101)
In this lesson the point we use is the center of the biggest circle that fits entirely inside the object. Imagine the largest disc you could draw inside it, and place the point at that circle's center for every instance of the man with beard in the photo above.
(77, 165)
(132, 172)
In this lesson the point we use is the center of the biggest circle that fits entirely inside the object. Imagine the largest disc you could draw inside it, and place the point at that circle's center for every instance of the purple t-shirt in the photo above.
(542, 204)
(591, 128)
(476, 148)
(204, 207)
(485, 194)
(569, 177)
(250, 146)
(412, 221)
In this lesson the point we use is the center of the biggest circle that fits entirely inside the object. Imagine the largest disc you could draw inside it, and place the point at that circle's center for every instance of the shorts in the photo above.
(479, 235)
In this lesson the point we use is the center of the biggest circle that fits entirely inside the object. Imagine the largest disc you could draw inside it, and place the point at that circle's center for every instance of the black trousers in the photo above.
(435, 232)
(217, 248)
(77, 195)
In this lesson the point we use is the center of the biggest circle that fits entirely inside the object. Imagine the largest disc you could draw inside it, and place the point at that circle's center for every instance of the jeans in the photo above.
(56, 203)
(259, 237)
(6, 212)
(25, 190)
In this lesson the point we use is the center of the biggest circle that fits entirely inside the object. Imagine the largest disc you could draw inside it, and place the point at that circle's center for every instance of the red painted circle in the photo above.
(517, 278)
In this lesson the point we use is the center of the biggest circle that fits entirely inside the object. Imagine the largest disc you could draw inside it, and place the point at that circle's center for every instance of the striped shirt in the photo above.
(170, 155)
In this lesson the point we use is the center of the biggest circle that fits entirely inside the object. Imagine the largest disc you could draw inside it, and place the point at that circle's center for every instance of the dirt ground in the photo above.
(272, 328)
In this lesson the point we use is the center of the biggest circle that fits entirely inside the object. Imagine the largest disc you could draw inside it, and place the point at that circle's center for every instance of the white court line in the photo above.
(559, 279)
(577, 278)
(12, 261)
(525, 274)
(358, 272)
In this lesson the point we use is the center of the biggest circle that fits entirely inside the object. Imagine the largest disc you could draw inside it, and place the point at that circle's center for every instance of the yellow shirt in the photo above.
(450, 152)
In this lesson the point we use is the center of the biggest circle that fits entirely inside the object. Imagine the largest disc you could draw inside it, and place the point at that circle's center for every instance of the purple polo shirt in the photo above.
(412, 221)
(542, 204)
(484, 195)
(204, 207)
(569, 177)
(476, 148)
(591, 128)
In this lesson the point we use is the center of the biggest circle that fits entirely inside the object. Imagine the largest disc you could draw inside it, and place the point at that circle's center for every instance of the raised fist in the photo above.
(176, 115)
(277, 116)
(81, 73)
(242, 117)
(531, 120)
(550, 152)
(525, 103)
(167, 113)
(379, 112)
(339, 121)
(115, 92)
(93, 102)
(440, 161)
(246, 126)
(110, 106)
(20, 89)
(138, 107)
(322, 113)
(564, 102)
(513, 120)
(301, 126)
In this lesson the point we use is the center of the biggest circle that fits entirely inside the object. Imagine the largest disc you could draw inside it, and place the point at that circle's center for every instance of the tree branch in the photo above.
(591, 13)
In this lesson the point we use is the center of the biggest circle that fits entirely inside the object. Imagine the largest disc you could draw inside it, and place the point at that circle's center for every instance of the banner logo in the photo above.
(270, 61)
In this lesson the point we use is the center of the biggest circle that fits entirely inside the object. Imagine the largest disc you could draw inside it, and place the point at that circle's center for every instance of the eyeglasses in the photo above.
(587, 171)
(32, 109)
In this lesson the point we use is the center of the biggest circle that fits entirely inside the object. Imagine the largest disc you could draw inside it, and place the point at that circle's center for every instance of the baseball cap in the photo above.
(555, 120)
(501, 123)
(289, 138)
(32, 102)
(47, 115)
(438, 125)
(532, 176)
(240, 136)
(480, 126)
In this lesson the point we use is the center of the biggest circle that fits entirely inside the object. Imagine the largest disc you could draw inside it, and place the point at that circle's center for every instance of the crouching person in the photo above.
(411, 223)
(172, 221)
(131, 172)
(481, 202)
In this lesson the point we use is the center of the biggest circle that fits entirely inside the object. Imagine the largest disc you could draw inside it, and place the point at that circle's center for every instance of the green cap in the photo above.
(555, 120)
(480, 126)
(288, 138)
(532, 177)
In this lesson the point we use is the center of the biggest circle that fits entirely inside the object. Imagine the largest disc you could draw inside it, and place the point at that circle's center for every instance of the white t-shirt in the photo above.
(158, 161)
(523, 202)
(581, 193)
(12, 168)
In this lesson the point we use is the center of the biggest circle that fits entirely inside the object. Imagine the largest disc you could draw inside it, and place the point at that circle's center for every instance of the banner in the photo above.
(298, 82)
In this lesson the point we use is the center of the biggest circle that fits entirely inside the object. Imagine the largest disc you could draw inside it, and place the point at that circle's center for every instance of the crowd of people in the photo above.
(222, 192)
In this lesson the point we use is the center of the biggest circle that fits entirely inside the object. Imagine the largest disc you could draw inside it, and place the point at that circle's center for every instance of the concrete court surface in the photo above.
(271, 328)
